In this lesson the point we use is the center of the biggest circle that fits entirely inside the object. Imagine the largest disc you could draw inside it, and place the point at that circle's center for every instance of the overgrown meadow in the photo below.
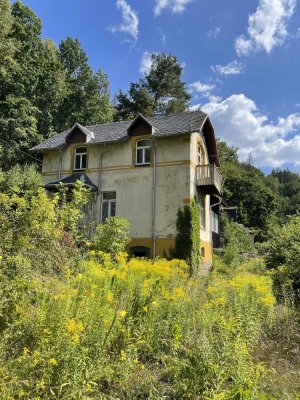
(78, 322)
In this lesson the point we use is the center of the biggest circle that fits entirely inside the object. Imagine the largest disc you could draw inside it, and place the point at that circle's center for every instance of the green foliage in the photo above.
(160, 92)
(42, 89)
(87, 100)
(39, 233)
(112, 236)
(283, 256)
(20, 180)
(246, 187)
(187, 242)
(236, 241)
(287, 185)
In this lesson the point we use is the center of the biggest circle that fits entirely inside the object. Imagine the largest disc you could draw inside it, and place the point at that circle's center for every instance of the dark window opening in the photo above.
(140, 252)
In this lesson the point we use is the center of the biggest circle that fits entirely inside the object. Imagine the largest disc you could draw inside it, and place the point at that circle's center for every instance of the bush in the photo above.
(283, 256)
(112, 236)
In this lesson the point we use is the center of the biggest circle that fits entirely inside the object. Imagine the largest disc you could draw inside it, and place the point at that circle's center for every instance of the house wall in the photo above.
(176, 163)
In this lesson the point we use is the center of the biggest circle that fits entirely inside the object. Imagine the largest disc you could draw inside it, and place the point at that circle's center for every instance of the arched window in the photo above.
(200, 154)
(140, 251)
(143, 151)
(202, 252)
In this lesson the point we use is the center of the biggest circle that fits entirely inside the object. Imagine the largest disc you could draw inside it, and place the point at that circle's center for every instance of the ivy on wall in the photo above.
(187, 242)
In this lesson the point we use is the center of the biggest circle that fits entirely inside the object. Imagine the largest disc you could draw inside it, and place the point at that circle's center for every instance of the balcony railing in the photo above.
(210, 178)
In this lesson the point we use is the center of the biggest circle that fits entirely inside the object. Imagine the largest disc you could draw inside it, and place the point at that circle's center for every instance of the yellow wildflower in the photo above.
(123, 356)
(122, 313)
(135, 361)
(26, 351)
(52, 361)
(74, 329)
(145, 309)
(41, 384)
(142, 366)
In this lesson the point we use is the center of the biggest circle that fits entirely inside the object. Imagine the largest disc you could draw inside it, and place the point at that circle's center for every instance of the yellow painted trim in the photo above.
(72, 148)
(208, 249)
(125, 167)
(163, 245)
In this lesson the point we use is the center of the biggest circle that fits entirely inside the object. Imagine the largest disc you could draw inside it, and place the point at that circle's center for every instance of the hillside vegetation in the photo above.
(79, 323)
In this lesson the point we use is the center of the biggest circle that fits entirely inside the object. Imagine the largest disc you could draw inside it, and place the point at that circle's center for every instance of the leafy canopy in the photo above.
(160, 92)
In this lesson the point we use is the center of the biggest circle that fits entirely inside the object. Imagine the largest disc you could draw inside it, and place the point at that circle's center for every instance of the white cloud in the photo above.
(177, 6)
(130, 20)
(239, 122)
(146, 63)
(232, 68)
(267, 27)
(200, 87)
(214, 32)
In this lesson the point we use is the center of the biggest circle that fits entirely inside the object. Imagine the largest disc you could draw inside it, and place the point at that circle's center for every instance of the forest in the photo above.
(79, 319)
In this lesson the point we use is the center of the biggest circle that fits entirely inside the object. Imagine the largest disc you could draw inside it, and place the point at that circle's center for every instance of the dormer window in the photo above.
(80, 158)
(143, 151)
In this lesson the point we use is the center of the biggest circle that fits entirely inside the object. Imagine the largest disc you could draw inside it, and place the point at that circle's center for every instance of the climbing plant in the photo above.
(187, 242)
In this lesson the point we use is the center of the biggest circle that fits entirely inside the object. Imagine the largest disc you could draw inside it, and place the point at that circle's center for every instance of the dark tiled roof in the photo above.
(176, 124)
(70, 181)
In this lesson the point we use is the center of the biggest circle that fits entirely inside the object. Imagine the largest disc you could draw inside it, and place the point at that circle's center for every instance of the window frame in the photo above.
(143, 149)
(80, 155)
(202, 213)
(200, 154)
(109, 202)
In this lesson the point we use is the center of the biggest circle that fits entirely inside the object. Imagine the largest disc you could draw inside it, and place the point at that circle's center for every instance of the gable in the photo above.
(76, 136)
(140, 127)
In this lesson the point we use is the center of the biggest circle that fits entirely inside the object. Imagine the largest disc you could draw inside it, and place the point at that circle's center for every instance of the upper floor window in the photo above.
(108, 205)
(200, 154)
(143, 151)
(80, 158)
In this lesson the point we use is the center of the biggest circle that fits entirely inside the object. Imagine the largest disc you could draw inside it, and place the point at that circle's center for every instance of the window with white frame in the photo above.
(214, 222)
(200, 154)
(80, 158)
(202, 212)
(108, 208)
(143, 151)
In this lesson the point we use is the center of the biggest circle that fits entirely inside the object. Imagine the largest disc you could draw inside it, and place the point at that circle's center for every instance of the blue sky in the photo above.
(241, 60)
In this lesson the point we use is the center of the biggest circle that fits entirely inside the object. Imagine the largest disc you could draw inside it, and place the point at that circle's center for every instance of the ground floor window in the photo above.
(140, 251)
(108, 208)
(214, 222)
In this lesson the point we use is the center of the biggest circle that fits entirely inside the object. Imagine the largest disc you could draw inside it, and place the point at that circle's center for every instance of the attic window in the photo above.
(80, 158)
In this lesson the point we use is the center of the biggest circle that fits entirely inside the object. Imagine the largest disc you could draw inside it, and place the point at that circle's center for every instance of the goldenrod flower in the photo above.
(123, 356)
(122, 313)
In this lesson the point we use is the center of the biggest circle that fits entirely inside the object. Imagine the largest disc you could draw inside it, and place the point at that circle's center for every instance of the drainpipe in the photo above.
(59, 165)
(154, 202)
(100, 183)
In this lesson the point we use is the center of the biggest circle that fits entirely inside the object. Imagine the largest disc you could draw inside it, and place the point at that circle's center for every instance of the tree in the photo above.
(160, 92)
(87, 100)
(7, 44)
(227, 153)
(287, 185)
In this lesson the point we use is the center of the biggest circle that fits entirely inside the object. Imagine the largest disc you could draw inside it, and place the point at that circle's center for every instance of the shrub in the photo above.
(283, 256)
(112, 236)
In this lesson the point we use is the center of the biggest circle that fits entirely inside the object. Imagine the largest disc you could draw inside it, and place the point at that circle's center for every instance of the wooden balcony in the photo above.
(209, 179)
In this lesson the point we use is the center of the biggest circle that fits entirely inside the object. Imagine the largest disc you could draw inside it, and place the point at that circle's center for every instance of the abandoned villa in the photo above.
(143, 170)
